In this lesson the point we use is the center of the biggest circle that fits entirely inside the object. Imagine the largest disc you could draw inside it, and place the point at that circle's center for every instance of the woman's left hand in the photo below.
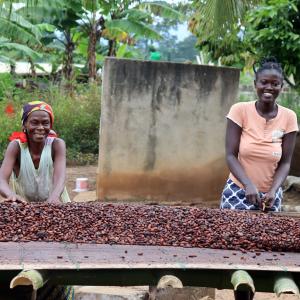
(268, 200)
(54, 201)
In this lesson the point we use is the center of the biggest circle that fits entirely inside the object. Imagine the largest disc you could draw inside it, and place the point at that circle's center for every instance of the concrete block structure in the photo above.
(162, 131)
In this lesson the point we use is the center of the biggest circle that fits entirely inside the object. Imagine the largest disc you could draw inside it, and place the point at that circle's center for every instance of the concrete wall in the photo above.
(295, 164)
(162, 130)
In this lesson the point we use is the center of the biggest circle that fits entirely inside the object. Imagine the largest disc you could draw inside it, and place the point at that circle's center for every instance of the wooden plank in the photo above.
(64, 256)
(290, 214)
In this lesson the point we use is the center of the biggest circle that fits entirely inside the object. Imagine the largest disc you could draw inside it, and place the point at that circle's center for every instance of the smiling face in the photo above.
(268, 85)
(38, 126)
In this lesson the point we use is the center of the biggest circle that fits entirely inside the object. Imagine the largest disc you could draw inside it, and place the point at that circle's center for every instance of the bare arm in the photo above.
(59, 172)
(282, 171)
(233, 137)
(10, 158)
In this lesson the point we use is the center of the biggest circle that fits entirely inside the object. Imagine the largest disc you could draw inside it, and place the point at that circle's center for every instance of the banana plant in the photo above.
(64, 16)
(18, 37)
(113, 20)
(120, 21)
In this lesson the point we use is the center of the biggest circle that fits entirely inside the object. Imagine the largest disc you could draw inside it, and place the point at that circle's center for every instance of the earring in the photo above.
(24, 130)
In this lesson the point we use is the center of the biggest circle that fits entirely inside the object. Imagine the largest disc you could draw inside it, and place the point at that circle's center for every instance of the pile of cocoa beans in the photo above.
(129, 224)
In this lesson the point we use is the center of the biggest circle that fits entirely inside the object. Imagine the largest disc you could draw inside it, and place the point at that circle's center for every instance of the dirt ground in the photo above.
(78, 172)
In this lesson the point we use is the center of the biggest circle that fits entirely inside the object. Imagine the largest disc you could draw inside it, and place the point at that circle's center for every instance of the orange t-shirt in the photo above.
(261, 141)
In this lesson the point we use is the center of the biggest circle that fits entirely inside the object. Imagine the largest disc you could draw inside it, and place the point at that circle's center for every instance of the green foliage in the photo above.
(126, 51)
(18, 37)
(138, 28)
(7, 85)
(69, 31)
(291, 100)
(61, 14)
(8, 125)
(219, 30)
(77, 120)
(246, 78)
(16, 50)
(274, 30)
(216, 18)
(269, 29)
(16, 28)
(162, 9)
(229, 48)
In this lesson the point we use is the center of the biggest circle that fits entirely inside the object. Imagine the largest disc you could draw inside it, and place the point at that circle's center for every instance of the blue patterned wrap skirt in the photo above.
(234, 197)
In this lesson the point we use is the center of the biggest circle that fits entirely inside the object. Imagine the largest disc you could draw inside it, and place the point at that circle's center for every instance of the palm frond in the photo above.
(17, 33)
(136, 14)
(19, 20)
(162, 9)
(130, 26)
(216, 17)
(60, 15)
(91, 5)
(21, 49)
(5, 59)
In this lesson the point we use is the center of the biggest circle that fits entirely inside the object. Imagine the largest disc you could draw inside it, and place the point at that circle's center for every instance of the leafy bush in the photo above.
(292, 101)
(77, 120)
(246, 78)
(7, 85)
(8, 125)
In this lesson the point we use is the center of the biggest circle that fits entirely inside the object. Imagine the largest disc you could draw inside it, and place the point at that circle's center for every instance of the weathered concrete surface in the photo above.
(295, 164)
(163, 129)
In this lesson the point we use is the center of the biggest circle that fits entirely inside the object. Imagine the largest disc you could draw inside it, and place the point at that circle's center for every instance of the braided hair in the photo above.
(268, 63)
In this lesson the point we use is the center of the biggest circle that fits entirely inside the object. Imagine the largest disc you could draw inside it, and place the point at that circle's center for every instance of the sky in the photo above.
(182, 32)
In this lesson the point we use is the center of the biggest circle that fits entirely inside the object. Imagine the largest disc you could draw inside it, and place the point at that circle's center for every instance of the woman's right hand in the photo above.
(252, 195)
(14, 197)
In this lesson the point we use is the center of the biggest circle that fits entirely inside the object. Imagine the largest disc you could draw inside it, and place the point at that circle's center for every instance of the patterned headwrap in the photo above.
(36, 106)
(26, 111)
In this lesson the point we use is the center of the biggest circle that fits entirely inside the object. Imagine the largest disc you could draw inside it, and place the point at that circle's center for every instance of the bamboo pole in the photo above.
(169, 281)
(285, 284)
(241, 280)
(29, 277)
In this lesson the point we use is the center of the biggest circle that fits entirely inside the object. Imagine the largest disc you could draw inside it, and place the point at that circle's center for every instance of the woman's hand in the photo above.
(53, 200)
(268, 200)
(14, 197)
(252, 195)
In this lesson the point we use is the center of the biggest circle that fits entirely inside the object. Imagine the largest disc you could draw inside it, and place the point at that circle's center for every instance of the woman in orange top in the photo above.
(260, 141)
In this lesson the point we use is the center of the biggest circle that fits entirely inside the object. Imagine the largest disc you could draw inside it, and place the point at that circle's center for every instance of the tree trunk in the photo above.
(92, 54)
(94, 36)
(12, 69)
(68, 59)
(32, 68)
(112, 48)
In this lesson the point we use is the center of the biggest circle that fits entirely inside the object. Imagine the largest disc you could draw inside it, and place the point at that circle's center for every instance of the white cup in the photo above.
(82, 185)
